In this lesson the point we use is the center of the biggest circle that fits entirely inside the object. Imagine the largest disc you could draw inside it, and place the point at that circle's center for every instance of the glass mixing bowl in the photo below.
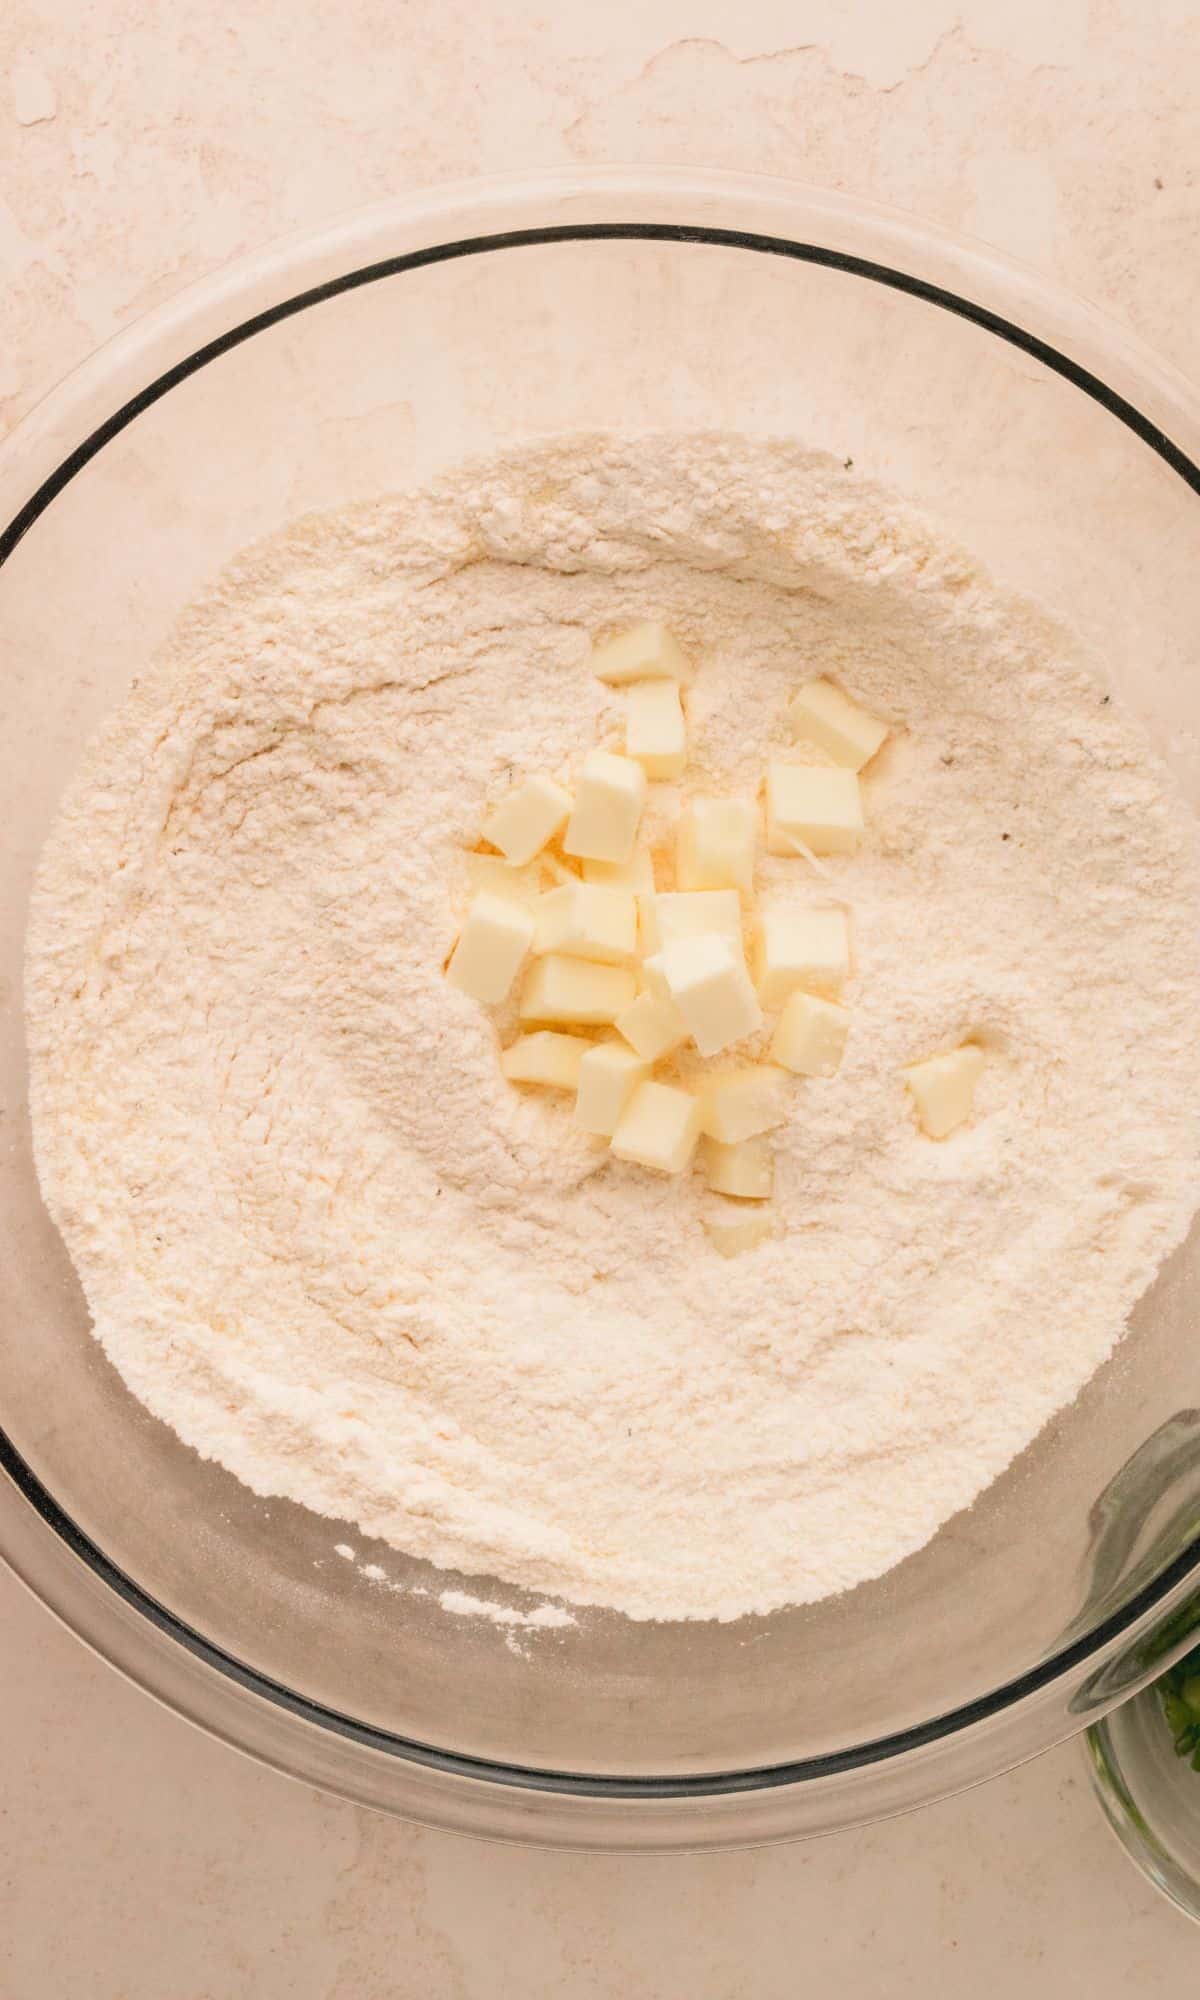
(365, 358)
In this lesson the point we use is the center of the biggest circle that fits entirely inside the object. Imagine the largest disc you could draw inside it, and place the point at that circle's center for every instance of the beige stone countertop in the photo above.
(142, 144)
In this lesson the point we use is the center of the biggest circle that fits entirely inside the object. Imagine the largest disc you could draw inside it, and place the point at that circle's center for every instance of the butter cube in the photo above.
(546, 1058)
(822, 714)
(659, 1128)
(609, 797)
(746, 1171)
(575, 991)
(739, 1230)
(708, 982)
(943, 1088)
(743, 1103)
(645, 652)
(655, 732)
(493, 941)
(801, 947)
(694, 912)
(584, 921)
(636, 874)
(814, 805)
(811, 1036)
(715, 844)
(529, 817)
(653, 1025)
(491, 872)
(608, 1076)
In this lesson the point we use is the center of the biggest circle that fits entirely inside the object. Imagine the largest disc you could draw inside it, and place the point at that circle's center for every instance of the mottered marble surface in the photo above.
(142, 145)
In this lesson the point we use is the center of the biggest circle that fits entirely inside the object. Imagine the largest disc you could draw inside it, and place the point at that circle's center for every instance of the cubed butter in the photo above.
(746, 1171)
(583, 920)
(608, 1076)
(529, 817)
(943, 1088)
(636, 874)
(645, 652)
(546, 1058)
(659, 1128)
(707, 979)
(715, 844)
(493, 941)
(739, 1230)
(653, 1025)
(811, 1036)
(609, 796)
(801, 947)
(819, 807)
(498, 877)
(655, 731)
(577, 992)
(692, 913)
(743, 1102)
(822, 714)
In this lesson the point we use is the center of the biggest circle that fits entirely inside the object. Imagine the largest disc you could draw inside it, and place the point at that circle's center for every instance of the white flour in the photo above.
(325, 1240)
(460, 1603)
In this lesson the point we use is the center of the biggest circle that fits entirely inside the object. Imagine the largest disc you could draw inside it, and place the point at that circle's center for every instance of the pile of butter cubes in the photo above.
(622, 978)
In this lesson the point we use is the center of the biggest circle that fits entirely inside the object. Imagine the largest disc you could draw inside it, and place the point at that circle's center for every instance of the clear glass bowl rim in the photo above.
(46, 1550)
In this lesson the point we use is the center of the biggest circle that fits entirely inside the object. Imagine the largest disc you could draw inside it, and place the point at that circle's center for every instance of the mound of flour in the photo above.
(323, 1238)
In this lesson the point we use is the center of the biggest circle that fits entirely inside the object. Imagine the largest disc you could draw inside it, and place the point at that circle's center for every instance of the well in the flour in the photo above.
(321, 1233)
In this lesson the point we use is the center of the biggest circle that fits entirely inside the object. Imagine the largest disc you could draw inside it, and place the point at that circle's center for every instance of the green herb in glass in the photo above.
(1179, 1692)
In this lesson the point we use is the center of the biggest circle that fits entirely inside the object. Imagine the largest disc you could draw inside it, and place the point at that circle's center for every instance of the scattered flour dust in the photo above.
(544, 1617)
(323, 1238)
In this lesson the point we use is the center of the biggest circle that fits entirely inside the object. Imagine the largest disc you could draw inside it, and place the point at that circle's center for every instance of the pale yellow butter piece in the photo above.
(715, 844)
(655, 731)
(819, 807)
(801, 947)
(493, 941)
(546, 1058)
(653, 1025)
(636, 874)
(658, 1128)
(746, 1171)
(743, 1102)
(644, 652)
(577, 992)
(609, 795)
(585, 921)
(811, 1036)
(687, 913)
(608, 1076)
(529, 817)
(492, 874)
(707, 979)
(823, 715)
(739, 1230)
(943, 1088)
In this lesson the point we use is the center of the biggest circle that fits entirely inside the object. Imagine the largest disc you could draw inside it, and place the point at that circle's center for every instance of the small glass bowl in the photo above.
(1149, 1796)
